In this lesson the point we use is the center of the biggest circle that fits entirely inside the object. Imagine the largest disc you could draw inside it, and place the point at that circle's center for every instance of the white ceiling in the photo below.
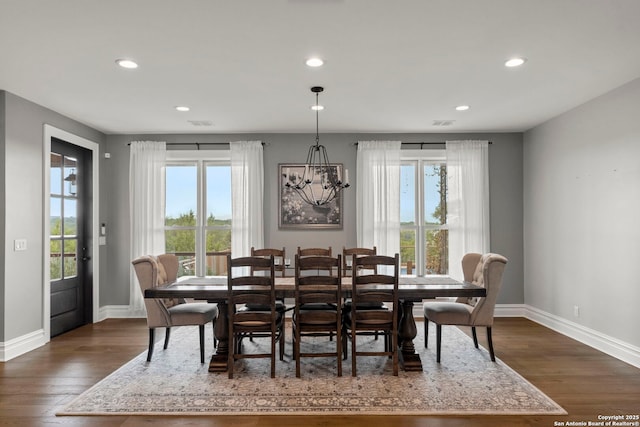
(391, 66)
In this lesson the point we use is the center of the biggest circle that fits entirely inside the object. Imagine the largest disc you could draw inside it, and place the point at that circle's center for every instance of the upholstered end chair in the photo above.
(153, 271)
(481, 270)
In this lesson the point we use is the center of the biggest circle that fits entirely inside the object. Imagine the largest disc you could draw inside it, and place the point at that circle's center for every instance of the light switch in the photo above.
(20, 245)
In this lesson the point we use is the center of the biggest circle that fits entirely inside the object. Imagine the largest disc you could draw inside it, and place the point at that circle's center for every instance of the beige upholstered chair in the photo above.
(482, 270)
(153, 271)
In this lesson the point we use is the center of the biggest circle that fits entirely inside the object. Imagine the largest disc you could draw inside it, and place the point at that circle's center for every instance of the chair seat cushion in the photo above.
(448, 313)
(253, 323)
(197, 313)
(365, 305)
(318, 306)
(280, 306)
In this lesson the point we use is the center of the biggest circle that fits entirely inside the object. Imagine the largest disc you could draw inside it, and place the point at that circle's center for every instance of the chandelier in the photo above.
(321, 182)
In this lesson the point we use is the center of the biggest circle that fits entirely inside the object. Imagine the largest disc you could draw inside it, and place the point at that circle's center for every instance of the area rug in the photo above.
(175, 383)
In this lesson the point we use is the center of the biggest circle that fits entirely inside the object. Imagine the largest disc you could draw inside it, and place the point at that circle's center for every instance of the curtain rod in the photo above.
(198, 144)
(422, 143)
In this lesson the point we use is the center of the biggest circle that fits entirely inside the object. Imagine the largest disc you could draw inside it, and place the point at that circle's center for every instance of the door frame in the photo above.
(50, 132)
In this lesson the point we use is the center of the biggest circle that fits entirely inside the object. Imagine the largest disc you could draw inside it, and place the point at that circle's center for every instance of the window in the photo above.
(198, 211)
(423, 212)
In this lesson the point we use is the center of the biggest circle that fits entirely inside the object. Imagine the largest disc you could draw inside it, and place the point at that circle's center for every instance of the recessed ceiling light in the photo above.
(127, 63)
(317, 107)
(314, 62)
(182, 108)
(515, 62)
(462, 107)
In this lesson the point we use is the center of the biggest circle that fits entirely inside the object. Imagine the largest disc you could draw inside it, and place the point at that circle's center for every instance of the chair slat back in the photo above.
(375, 288)
(247, 289)
(279, 256)
(347, 257)
(311, 287)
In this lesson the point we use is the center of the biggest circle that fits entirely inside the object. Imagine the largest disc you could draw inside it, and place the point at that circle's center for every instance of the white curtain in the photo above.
(247, 195)
(146, 204)
(378, 196)
(467, 201)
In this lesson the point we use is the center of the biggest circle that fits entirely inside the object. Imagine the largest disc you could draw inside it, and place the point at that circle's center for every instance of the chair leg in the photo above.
(438, 341)
(282, 340)
(426, 332)
(493, 356)
(475, 336)
(166, 338)
(151, 342)
(339, 350)
(353, 352)
(201, 330)
(344, 344)
(296, 350)
(215, 341)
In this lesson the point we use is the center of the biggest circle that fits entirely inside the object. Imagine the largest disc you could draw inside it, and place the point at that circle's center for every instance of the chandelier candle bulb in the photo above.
(346, 176)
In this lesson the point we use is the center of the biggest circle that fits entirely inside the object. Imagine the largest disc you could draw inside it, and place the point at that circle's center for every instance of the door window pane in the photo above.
(55, 260)
(408, 194)
(181, 195)
(218, 195)
(435, 202)
(437, 244)
(70, 258)
(69, 173)
(183, 244)
(70, 226)
(55, 176)
(408, 251)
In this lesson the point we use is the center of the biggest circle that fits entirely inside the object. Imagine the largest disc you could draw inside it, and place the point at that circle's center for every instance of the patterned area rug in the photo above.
(465, 383)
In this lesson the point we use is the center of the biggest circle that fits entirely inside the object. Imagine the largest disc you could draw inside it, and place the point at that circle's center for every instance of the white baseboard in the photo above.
(119, 312)
(605, 343)
(21, 345)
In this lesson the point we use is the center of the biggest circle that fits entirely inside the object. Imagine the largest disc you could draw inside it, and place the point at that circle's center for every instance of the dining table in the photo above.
(411, 289)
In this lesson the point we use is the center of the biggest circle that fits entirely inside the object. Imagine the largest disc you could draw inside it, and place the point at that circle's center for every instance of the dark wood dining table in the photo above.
(411, 289)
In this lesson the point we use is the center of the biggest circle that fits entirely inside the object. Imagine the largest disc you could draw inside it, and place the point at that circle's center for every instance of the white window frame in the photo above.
(201, 159)
(420, 158)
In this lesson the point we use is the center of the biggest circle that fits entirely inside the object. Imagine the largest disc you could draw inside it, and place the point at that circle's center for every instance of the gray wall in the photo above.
(581, 204)
(22, 165)
(505, 157)
(22, 211)
(2, 209)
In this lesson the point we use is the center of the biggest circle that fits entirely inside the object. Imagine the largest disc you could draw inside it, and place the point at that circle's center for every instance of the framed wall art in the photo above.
(296, 213)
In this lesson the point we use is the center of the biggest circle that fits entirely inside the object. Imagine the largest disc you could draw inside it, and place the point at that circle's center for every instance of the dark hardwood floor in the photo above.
(586, 382)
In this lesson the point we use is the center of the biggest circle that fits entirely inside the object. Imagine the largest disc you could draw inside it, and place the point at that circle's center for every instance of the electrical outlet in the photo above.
(576, 311)
(20, 245)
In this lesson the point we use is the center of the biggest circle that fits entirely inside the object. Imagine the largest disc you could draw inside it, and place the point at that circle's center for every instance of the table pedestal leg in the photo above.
(221, 330)
(407, 331)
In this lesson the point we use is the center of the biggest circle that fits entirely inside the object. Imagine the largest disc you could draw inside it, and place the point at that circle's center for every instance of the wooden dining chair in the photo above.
(279, 265)
(481, 270)
(347, 257)
(373, 288)
(153, 271)
(313, 289)
(279, 255)
(243, 288)
(304, 252)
